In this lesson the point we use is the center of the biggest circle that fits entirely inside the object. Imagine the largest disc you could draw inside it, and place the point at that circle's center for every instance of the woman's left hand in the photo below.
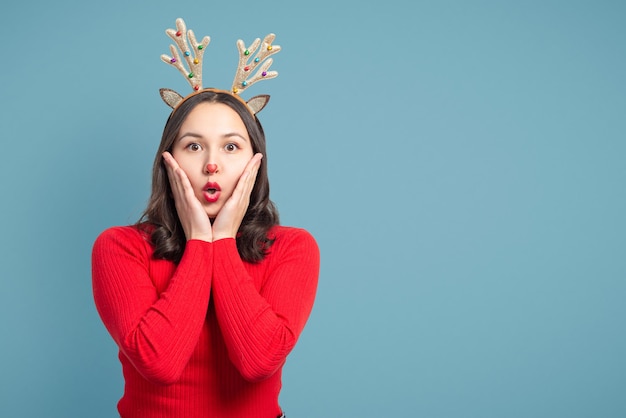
(228, 220)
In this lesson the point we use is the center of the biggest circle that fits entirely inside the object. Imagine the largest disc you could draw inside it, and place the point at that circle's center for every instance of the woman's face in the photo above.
(213, 149)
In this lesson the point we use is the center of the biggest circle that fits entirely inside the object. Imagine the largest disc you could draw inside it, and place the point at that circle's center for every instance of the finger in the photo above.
(241, 194)
(170, 166)
(181, 186)
(248, 177)
(170, 162)
(254, 170)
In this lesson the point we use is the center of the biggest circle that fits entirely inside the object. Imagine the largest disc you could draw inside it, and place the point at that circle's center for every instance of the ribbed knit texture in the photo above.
(207, 337)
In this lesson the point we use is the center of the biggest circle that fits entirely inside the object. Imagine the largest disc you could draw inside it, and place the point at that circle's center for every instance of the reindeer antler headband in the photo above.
(193, 53)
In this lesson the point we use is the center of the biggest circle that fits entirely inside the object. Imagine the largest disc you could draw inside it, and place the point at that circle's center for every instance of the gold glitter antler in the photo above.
(187, 44)
(261, 60)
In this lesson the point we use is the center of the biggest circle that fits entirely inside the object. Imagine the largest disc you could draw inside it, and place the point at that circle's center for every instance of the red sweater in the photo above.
(207, 337)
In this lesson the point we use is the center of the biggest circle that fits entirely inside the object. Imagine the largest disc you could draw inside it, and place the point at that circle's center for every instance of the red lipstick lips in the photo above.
(211, 192)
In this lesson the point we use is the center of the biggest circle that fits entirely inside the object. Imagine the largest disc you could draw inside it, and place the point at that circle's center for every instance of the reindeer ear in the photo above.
(170, 97)
(257, 103)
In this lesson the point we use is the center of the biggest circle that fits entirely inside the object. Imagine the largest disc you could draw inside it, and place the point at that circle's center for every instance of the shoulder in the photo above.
(284, 234)
(129, 232)
(131, 236)
(289, 239)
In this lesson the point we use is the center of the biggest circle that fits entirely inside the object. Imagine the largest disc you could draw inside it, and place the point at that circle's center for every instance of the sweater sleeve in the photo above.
(261, 328)
(156, 332)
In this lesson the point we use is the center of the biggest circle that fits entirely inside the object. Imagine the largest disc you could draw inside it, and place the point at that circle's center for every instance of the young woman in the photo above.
(207, 294)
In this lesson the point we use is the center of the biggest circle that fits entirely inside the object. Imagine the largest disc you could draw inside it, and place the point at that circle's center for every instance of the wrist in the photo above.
(222, 236)
(200, 237)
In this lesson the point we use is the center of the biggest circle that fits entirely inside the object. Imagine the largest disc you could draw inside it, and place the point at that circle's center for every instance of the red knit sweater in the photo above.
(207, 337)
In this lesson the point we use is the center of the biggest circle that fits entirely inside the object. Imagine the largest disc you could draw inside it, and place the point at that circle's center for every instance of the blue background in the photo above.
(460, 163)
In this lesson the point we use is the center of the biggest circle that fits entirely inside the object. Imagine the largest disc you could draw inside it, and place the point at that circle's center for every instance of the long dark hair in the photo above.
(160, 219)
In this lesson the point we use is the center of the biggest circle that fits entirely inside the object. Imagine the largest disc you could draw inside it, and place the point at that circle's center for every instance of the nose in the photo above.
(211, 168)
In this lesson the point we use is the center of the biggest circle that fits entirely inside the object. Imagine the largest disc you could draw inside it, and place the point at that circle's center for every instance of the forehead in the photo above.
(213, 118)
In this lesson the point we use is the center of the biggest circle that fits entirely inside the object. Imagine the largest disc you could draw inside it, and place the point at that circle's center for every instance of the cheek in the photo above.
(237, 168)
(242, 165)
(188, 164)
(182, 162)
(235, 173)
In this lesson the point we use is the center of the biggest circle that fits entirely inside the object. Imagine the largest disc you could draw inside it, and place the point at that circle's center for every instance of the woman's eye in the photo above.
(230, 147)
(194, 147)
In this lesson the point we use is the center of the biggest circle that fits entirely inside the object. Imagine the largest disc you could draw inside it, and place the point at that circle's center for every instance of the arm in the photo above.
(156, 332)
(261, 328)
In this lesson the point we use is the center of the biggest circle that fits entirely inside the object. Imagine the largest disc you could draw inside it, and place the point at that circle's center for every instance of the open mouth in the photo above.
(212, 187)
(211, 192)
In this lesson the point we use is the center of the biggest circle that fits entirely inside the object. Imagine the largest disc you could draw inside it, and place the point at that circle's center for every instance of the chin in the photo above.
(212, 213)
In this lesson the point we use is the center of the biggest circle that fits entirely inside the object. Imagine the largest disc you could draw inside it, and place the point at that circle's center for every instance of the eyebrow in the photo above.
(197, 135)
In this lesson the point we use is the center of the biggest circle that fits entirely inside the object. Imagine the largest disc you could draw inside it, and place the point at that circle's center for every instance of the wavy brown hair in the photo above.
(160, 219)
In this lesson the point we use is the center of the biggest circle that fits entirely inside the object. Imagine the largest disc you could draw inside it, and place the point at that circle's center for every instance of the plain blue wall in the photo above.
(462, 165)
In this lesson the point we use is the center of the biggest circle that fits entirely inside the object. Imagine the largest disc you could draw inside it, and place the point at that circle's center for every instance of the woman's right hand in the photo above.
(192, 215)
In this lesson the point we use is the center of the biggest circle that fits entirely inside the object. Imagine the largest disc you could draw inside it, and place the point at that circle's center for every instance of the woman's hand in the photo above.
(228, 220)
(192, 215)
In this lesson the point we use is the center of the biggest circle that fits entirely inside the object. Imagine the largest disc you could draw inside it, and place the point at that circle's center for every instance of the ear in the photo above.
(170, 97)
(257, 103)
